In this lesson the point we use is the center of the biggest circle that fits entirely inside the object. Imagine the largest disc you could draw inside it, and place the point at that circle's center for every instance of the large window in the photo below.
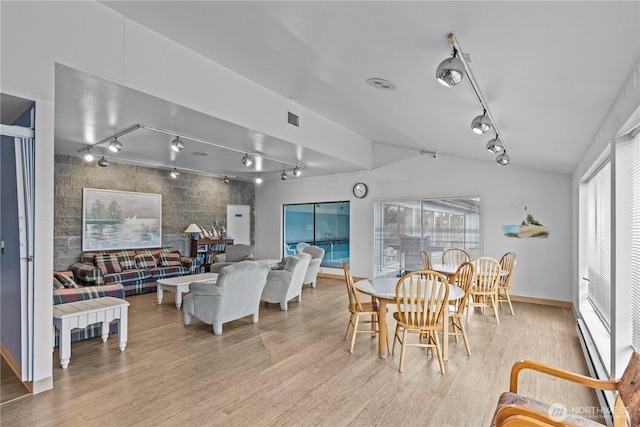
(321, 224)
(404, 228)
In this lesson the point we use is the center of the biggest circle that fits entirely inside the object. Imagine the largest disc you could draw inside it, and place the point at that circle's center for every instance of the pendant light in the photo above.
(503, 159)
(258, 179)
(283, 176)
(297, 171)
(247, 161)
(481, 124)
(226, 179)
(175, 173)
(450, 71)
(87, 156)
(103, 162)
(115, 145)
(495, 145)
(177, 145)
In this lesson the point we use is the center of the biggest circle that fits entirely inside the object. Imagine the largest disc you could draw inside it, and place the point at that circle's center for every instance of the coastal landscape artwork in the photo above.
(529, 227)
(120, 220)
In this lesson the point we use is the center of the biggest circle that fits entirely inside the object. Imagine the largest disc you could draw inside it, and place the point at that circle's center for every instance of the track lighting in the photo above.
(283, 176)
(495, 145)
(115, 145)
(103, 162)
(177, 145)
(450, 71)
(175, 173)
(503, 159)
(258, 179)
(297, 171)
(481, 124)
(226, 179)
(247, 161)
(87, 156)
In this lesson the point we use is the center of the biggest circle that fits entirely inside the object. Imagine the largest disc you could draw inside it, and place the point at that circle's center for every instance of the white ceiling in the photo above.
(549, 72)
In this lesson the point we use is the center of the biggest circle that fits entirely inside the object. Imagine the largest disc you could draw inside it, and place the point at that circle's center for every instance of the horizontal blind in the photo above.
(599, 243)
(628, 227)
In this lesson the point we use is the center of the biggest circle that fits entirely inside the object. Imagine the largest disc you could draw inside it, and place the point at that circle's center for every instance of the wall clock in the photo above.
(360, 190)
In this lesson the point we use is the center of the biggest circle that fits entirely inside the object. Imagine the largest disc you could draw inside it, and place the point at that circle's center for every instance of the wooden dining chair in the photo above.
(455, 256)
(463, 278)
(507, 262)
(357, 309)
(422, 298)
(426, 261)
(484, 289)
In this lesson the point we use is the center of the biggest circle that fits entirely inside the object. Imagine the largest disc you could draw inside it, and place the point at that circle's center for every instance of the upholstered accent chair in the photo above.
(283, 285)
(233, 253)
(235, 294)
(317, 253)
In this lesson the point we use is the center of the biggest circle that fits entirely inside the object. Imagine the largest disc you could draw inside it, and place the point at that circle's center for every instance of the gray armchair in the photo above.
(283, 285)
(236, 294)
(232, 254)
(316, 253)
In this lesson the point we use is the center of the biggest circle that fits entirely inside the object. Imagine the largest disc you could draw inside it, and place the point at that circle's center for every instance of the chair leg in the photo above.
(395, 338)
(464, 336)
(438, 351)
(355, 332)
(403, 349)
(346, 334)
(494, 303)
(506, 293)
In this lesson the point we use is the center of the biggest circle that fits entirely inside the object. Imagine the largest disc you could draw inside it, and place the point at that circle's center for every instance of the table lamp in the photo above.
(192, 228)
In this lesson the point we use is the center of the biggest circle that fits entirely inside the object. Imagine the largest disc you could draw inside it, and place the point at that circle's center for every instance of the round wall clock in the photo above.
(360, 190)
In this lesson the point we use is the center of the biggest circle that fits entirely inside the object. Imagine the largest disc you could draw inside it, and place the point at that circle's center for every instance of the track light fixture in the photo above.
(503, 159)
(258, 179)
(283, 176)
(481, 124)
(103, 162)
(247, 161)
(450, 71)
(297, 171)
(175, 173)
(177, 145)
(495, 145)
(115, 145)
(87, 156)
(226, 179)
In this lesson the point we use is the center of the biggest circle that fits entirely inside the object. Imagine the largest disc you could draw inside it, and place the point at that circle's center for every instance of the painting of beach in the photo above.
(527, 228)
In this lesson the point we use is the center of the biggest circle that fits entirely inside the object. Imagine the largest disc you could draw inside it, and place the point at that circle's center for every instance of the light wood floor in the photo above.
(10, 385)
(294, 368)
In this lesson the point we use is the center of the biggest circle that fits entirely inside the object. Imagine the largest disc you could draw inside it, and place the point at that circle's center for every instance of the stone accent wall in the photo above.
(185, 200)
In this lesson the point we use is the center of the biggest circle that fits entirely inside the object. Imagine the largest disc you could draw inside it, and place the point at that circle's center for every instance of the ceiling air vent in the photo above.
(292, 119)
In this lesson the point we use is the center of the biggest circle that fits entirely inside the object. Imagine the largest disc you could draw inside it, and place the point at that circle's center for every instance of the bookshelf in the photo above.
(206, 249)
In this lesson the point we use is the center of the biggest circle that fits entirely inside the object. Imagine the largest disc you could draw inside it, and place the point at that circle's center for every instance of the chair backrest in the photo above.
(507, 262)
(354, 299)
(629, 393)
(463, 278)
(455, 256)
(300, 246)
(426, 261)
(422, 298)
(314, 251)
(487, 273)
(239, 252)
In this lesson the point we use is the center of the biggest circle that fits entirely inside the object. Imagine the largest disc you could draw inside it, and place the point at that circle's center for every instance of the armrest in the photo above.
(518, 416)
(610, 385)
(86, 274)
(220, 257)
(193, 264)
(204, 288)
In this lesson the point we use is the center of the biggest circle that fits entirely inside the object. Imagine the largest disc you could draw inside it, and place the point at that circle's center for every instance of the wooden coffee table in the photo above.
(180, 285)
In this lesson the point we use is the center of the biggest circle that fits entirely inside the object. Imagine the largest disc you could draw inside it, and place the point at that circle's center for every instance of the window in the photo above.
(321, 224)
(404, 228)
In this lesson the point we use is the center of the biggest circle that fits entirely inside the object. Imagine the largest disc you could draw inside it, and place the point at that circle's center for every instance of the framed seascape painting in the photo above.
(120, 220)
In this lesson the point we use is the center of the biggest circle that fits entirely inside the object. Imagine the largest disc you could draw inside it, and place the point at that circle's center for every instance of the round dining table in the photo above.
(384, 289)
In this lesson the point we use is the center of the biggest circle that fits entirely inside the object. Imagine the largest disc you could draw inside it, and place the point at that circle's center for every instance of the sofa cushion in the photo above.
(127, 277)
(127, 260)
(145, 261)
(66, 281)
(170, 260)
(166, 272)
(87, 292)
(108, 263)
(57, 284)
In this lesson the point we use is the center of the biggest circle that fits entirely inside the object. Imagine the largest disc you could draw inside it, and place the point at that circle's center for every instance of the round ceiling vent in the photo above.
(382, 84)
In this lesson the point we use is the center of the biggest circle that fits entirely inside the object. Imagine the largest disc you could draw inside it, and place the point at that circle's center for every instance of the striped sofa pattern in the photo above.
(136, 269)
(61, 296)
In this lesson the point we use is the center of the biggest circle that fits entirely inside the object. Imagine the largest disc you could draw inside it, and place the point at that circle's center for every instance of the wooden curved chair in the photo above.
(517, 410)
(484, 290)
(422, 298)
(357, 309)
(455, 256)
(507, 262)
(463, 278)
(426, 261)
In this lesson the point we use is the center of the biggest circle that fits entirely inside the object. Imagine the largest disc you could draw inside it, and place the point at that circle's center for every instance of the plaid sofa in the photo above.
(61, 296)
(136, 269)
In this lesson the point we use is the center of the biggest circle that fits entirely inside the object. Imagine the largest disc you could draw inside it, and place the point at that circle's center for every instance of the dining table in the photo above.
(384, 289)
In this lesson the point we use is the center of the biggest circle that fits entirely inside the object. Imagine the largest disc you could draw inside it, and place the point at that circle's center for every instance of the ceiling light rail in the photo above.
(458, 53)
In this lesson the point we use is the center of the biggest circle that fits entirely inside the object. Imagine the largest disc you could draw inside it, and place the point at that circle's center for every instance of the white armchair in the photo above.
(232, 254)
(235, 294)
(283, 285)
(316, 253)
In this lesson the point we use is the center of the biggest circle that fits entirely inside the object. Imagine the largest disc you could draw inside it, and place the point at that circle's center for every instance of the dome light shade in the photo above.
(115, 145)
(247, 161)
(103, 162)
(450, 71)
(177, 145)
(495, 145)
(283, 176)
(481, 124)
(297, 171)
(503, 159)
(87, 156)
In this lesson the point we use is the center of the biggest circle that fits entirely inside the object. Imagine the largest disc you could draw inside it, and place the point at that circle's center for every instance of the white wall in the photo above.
(543, 267)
